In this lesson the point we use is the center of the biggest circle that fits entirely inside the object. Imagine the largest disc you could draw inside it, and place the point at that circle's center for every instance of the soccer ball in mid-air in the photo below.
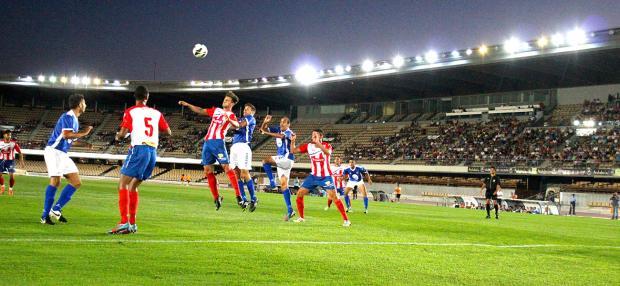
(200, 51)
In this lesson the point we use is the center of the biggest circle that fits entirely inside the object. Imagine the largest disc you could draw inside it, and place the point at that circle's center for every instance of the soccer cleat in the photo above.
(2, 190)
(133, 228)
(349, 209)
(63, 219)
(326, 208)
(47, 220)
(55, 214)
(218, 203)
(289, 216)
(121, 228)
(346, 223)
(488, 217)
(496, 217)
(365, 211)
(301, 219)
(253, 205)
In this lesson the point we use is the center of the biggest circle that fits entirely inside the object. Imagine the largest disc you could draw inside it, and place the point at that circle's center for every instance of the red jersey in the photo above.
(7, 150)
(337, 173)
(218, 128)
(319, 161)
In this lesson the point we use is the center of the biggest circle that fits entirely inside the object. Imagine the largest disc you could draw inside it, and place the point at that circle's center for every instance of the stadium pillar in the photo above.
(32, 104)
(95, 106)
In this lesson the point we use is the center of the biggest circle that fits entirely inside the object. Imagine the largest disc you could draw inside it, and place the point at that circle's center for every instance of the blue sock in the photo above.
(366, 202)
(241, 190)
(269, 172)
(250, 185)
(64, 197)
(341, 192)
(347, 200)
(287, 199)
(50, 194)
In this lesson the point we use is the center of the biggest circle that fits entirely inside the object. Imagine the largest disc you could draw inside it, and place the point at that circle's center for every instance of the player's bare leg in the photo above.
(364, 193)
(332, 195)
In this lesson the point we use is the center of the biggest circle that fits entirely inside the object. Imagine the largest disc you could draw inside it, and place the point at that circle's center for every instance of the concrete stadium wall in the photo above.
(576, 95)
(418, 190)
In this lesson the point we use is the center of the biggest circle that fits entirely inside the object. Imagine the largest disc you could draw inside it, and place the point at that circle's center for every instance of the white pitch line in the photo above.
(216, 241)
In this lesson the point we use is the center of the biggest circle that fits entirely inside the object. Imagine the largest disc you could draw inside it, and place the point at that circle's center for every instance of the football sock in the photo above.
(341, 210)
(233, 181)
(366, 202)
(123, 204)
(269, 172)
(1, 180)
(241, 189)
(496, 209)
(488, 207)
(50, 194)
(213, 185)
(133, 207)
(347, 200)
(250, 184)
(300, 206)
(287, 199)
(11, 182)
(65, 197)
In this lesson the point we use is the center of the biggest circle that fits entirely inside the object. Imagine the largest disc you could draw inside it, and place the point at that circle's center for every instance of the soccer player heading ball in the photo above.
(214, 147)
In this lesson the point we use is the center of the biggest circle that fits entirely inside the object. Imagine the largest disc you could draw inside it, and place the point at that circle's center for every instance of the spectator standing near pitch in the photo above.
(614, 202)
(573, 203)
(397, 192)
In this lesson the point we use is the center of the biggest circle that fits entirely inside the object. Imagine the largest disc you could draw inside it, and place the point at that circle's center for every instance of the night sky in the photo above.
(127, 39)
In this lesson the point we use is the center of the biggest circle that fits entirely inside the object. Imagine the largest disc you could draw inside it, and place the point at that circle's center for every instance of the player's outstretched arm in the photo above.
(195, 109)
(265, 130)
(294, 148)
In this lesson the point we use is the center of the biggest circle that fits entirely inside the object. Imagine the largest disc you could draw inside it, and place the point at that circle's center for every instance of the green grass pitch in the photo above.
(183, 240)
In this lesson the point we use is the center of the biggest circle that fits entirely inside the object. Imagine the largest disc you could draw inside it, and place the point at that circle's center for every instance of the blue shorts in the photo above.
(214, 150)
(7, 166)
(313, 181)
(340, 191)
(140, 162)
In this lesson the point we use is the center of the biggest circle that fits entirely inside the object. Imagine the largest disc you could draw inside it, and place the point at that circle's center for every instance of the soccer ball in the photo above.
(200, 51)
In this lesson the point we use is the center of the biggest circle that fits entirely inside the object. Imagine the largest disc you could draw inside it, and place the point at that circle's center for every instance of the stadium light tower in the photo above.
(368, 66)
(512, 45)
(576, 37)
(398, 61)
(306, 75)
(75, 80)
(63, 79)
(431, 57)
(52, 79)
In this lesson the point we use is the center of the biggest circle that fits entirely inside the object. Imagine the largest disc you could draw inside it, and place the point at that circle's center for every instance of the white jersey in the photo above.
(144, 124)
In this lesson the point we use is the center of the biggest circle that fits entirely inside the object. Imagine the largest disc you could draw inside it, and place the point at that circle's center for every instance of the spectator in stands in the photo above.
(573, 203)
(614, 202)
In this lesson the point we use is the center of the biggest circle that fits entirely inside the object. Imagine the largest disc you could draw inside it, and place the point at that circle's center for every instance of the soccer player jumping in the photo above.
(144, 124)
(214, 147)
(8, 147)
(321, 174)
(241, 155)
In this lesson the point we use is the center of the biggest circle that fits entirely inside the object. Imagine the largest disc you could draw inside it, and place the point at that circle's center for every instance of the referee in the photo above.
(491, 185)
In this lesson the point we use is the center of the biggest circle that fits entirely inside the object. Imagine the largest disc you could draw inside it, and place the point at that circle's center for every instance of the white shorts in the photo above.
(58, 163)
(284, 166)
(241, 156)
(352, 184)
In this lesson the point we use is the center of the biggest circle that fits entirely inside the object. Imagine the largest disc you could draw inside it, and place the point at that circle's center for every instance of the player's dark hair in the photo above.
(493, 167)
(75, 100)
(141, 93)
(251, 106)
(6, 131)
(232, 96)
(318, 130)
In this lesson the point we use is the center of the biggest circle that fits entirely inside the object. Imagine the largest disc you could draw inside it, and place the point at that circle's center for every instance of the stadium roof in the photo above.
(562, 60)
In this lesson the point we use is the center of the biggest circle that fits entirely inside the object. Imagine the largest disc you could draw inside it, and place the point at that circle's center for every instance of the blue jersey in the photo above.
(67, 121)
(356, 174)
(284, 144)
(244, 134)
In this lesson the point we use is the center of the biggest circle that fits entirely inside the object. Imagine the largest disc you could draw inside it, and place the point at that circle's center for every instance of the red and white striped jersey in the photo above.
(144, 124)
(7, 150)
(218, 128)
(337, 173)
(319, 162)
